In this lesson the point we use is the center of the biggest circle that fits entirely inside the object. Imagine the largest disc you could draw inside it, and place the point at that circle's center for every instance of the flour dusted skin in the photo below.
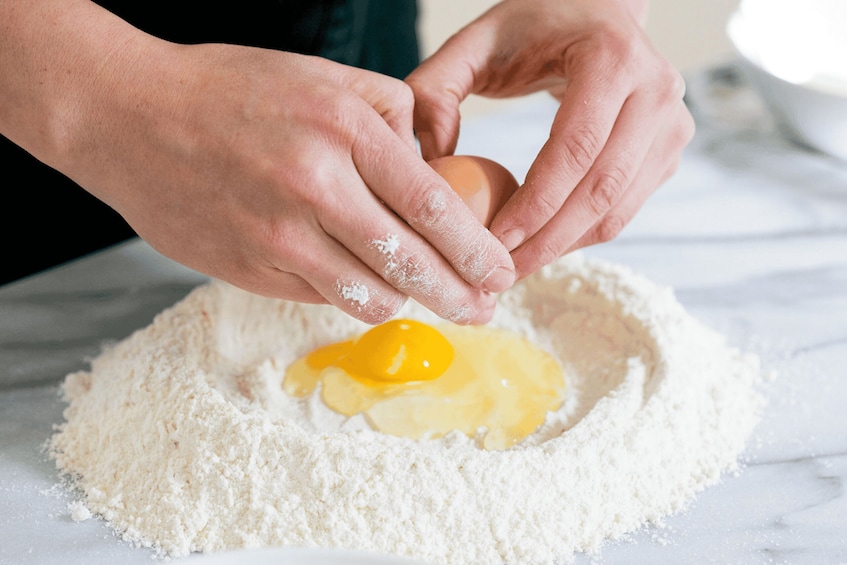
(181, 438)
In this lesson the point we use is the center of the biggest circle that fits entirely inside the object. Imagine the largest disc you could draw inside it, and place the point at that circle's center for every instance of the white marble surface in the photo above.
(752, 235)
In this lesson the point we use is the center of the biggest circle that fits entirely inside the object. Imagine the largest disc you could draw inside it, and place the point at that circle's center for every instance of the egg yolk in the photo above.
(411, 379)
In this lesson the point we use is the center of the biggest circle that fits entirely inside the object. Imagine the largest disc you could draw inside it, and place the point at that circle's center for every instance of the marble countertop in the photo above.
(751, 233)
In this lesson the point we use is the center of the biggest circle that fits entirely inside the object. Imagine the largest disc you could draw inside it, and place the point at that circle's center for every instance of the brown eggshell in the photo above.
(484, 185)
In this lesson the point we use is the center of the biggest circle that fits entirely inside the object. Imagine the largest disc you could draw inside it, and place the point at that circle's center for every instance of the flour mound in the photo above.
(181, 438)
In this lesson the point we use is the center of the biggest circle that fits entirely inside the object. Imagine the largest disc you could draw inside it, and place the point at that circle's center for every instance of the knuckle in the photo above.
(344, 107)
(678, 134)
(609, 227)
(546, 204)
(581, 148)
(427, 93)
(670, 84)
(284, 241)
(417, 86)
(429, 208)
(607, 188)
(408, 272)
(295, 247)
(615, 47)
(404, 96)
(340, 116)
(608, 47)
(399, 104)
(685, 128)
(304, 177)
(547, 252)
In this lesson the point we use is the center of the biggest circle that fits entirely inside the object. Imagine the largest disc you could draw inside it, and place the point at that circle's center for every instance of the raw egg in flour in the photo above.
(415, 380)
(483, 184)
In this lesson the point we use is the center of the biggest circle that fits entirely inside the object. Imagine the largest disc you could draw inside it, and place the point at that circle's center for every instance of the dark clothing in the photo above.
(378, 35)
(50, 219)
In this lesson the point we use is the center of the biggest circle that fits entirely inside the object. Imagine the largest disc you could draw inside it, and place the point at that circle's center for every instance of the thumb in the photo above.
(440, 84)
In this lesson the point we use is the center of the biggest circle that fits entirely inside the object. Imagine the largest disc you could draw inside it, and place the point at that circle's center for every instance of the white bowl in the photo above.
(797, 70)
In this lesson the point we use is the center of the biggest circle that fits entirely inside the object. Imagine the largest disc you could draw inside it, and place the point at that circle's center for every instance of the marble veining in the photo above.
(751, 233)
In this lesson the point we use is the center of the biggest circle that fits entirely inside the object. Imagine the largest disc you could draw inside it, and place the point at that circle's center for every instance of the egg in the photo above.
(484, 185)
(416, 380)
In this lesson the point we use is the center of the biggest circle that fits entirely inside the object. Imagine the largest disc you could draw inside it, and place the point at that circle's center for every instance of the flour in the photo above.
(356, 292)
(78, 511)
(182, 439)
(387, 246)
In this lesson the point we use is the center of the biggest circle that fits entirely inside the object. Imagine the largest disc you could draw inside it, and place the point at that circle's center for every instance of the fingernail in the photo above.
(512, 238)
(498, 280)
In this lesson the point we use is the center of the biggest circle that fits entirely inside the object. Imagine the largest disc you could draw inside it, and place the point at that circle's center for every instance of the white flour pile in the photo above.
(182, 439)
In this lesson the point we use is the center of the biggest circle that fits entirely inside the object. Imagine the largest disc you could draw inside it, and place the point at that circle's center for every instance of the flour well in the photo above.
(182, 439)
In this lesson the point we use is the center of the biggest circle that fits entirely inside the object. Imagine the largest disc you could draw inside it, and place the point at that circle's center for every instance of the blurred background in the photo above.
(690, 33)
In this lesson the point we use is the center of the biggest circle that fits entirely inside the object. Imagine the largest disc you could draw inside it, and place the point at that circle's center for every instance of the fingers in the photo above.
(341, 279)
(446, 229)
(426, 203)
(595, 152)
(412, 189)
(580, 131)
(604, 202)
(648, 179)
(432, 247)
(365, 260)
(377, 248)
(407, 265)
(389, 226)
(440, 84)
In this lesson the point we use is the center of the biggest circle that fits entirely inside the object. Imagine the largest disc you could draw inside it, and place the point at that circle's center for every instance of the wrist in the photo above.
(114, 66)
(67, 69)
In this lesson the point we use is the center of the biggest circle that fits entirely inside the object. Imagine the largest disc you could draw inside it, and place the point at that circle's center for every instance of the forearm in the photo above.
(60, 62)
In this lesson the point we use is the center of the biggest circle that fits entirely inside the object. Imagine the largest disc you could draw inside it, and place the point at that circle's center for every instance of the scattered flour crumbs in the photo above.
(181, 438)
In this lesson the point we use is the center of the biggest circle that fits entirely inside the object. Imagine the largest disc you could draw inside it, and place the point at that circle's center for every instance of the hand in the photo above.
(618, 134)
(286, 175)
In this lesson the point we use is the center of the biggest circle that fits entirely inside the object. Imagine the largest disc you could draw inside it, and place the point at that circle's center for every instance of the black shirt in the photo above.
(47, 219)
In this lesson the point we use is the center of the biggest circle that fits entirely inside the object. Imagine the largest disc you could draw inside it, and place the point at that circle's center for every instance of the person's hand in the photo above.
(617, 135)
(285, 175)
